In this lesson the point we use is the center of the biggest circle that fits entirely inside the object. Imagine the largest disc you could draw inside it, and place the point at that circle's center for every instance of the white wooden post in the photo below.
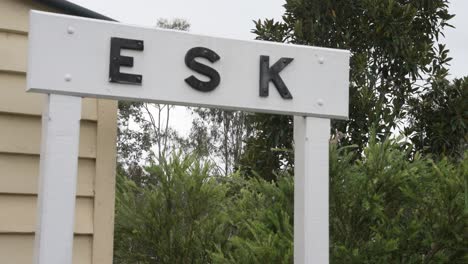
(57, 183)
(311, 234)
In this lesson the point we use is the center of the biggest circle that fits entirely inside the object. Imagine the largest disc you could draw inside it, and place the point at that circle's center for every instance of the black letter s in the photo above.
(202, 69)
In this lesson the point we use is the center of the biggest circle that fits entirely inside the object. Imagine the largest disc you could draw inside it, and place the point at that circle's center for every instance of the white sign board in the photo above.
(72, 56)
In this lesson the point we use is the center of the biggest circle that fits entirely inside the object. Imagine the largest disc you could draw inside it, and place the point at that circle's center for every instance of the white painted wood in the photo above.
(311, 182)
(76, 62)
(70, 56)
(57, 180)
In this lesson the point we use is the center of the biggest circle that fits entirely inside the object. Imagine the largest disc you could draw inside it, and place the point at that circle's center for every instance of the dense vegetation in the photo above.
(388, 207)
(397, 59)
(398, 166)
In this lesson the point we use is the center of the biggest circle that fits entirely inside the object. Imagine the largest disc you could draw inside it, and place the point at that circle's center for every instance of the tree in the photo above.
(261, 221)
(269, 147)
(175, 218)
(219, 135)
(384, 208)
(394, 48)
(144, 132)
(387, 208)
(177, 24)
(438, 119)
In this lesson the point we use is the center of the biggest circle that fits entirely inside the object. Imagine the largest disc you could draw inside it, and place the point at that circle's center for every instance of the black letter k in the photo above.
(268, 74)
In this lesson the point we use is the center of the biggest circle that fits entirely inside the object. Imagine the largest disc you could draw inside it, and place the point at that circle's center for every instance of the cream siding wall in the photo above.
(20, 129)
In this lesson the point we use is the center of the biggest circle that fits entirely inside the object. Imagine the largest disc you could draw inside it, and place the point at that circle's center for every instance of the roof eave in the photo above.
(74, 9)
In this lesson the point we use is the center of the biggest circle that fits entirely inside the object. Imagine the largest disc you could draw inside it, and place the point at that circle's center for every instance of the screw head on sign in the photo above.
(68, 77)
(321, 60)
(320, 102)
(70, 30)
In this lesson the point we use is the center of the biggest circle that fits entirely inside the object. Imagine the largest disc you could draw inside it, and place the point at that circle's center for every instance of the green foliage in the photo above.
(261, 222)
(439, 119)
(269, 147)
(390, 206)
(176, 24)
(219, 135)
(390, 202)
(386, 209)
(395, 50)
(132, 144)
(174, 219)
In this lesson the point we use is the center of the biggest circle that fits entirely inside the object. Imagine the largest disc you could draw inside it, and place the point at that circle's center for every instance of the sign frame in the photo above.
(58, 68)
(317, 78)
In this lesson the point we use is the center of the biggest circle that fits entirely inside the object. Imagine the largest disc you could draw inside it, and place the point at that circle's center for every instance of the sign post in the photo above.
(57, 179)
(72, 57)
(311, 232)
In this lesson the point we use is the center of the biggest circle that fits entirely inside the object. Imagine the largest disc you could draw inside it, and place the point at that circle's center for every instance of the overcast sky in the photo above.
(224, 18)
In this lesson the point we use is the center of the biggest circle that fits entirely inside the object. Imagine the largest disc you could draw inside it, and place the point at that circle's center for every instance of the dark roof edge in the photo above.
(74, 9)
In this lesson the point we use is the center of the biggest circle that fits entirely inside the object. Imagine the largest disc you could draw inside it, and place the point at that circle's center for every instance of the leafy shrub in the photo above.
(175, 219)
(261, 222)
(389, 206)
(387, 209)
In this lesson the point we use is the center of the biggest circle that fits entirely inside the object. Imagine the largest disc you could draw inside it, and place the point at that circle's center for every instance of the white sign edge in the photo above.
(29, 87)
